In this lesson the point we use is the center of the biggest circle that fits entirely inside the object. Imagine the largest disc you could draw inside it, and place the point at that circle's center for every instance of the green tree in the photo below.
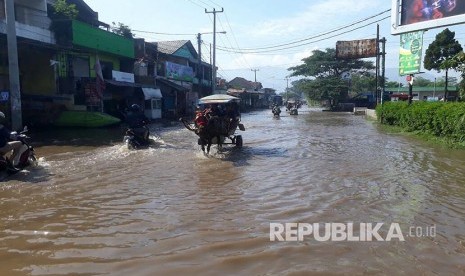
(122, 30)
(394, 84)
(63, 10)
(443, 48)
(422, 82)
(457, 62)
(362, 83)
(323, 72)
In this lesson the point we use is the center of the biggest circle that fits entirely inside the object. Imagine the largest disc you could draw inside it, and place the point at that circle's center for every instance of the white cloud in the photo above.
(276, 60)
(317, 17)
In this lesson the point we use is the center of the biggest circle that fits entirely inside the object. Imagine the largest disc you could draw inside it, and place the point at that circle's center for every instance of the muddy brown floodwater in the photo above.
(92, 207)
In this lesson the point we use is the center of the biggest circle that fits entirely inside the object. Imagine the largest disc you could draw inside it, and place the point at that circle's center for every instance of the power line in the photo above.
(196, 4)
(158, 33)
(315, 36)
(241, 58)
(303, 44)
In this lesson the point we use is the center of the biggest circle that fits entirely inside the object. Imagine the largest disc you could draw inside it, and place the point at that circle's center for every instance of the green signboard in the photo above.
(411, 45)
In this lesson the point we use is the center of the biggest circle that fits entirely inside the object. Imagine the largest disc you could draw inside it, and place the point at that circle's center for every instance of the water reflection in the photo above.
(94, 207)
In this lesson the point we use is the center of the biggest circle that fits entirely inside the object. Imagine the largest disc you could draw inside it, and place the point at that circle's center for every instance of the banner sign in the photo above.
(354, 49)
(410, 53)
(92, 96)
(416, 15)
(414, 11)
(179, 72)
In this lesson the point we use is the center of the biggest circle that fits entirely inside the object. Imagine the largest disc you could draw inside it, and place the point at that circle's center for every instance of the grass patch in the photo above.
(445, 142)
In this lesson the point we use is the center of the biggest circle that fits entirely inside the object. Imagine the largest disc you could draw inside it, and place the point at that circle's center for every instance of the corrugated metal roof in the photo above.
(170, 47)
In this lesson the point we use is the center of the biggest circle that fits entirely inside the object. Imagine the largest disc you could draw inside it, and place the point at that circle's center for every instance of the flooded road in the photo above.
(93, 207)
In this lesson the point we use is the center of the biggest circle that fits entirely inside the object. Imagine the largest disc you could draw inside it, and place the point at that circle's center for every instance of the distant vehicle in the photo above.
(216, 120)
(292, 106)
(277, 100)
(276, 110)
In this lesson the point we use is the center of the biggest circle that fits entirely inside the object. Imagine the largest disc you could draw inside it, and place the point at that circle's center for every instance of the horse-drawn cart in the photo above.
(216, 121)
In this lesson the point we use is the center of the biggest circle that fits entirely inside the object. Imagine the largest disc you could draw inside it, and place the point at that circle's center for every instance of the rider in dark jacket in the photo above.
(137, 121)
(7, 145)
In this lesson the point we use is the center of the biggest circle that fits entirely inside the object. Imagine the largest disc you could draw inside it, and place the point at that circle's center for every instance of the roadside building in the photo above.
(182, 77)
(36, 49)
(60, 58)
(422, 93)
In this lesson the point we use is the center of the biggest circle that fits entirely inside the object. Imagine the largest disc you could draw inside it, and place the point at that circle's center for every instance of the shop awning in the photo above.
(151, 93)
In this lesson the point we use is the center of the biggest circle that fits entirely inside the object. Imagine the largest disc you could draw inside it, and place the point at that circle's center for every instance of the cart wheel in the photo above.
(239, 141)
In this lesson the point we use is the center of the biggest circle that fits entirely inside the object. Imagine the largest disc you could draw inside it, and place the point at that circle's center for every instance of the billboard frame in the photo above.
(397, 28)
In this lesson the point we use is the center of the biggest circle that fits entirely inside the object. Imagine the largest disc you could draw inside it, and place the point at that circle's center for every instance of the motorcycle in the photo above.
(294, 111)
(26, 156)
(137, 138)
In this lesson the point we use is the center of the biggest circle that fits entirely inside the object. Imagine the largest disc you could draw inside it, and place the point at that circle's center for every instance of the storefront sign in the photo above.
(123, 76)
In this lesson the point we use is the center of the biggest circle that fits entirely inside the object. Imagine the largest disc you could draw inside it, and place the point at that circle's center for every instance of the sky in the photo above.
(254, 27)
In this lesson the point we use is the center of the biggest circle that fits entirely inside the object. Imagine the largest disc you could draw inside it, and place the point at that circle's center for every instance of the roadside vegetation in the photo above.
(442, 122)
(324, 78)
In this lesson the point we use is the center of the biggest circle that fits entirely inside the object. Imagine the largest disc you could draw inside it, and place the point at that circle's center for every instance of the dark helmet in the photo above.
(135, 108)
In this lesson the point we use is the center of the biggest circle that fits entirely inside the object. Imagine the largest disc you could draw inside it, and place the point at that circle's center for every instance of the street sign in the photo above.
(410, 79)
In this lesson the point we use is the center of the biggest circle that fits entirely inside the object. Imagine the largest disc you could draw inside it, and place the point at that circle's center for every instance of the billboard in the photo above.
(354, 49)
(415, 15)
(411, 46)
(179, 72)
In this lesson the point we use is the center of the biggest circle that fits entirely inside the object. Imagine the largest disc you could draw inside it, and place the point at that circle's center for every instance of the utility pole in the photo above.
(15, 93)
(383, 69)
(377, 66)
(214, 47)
(410, 88)
(287, 89)
(255, 71)
(199, 66)
(199, 45)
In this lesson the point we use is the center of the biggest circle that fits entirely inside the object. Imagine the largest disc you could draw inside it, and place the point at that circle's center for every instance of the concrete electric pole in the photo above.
(255, 81)
(199, 45)
(214, 47)
(15, 93)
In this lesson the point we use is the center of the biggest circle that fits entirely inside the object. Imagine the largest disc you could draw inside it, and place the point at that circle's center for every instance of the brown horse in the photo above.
(212, 130)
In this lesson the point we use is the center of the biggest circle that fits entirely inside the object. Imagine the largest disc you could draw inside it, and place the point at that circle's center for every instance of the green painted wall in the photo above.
(103, 58)
(102, 41)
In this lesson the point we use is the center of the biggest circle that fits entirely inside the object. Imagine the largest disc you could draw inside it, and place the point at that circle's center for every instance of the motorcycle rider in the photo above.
(275, 110)
(137, 121)
(7, 144)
